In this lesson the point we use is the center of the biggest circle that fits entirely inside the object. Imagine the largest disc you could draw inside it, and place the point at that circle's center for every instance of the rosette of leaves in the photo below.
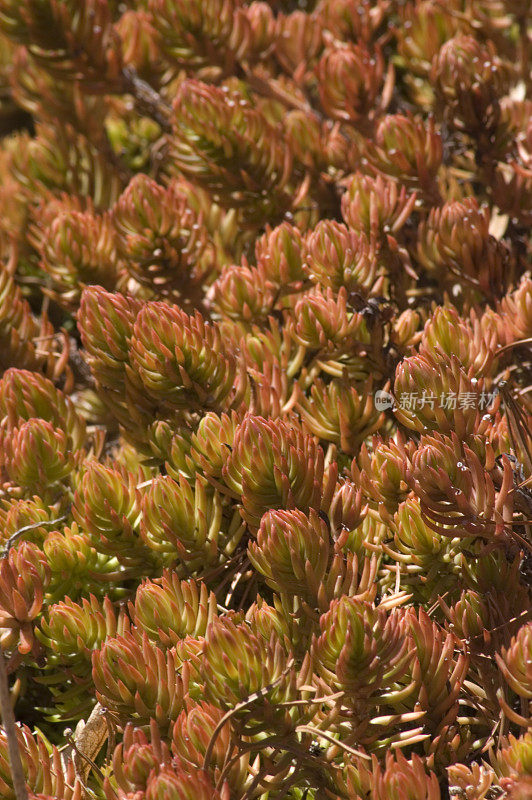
(405, 332)
(183, 523)
(70, 632)
(263, 30)
(457, 493)
(318, 147)
(212, 442)
(24, 575)
(41, 765)
(298, 41)
(469, 79)
(516, 311)
(448, 333)
(424, 30)
(160, 238)
(194, 37)
(60, 159)
(244, 294)
(37, 459)
(376, 205)
(280, 253)
(141, 45)
(347, 510)
(106, 327)
(339, 413)
(351, 78)
(264, 618)
(295, 554)
(435, 393)
(363, 652)
(455, 239)
(292, 551)
(512, 188)
(381, 471)
(71, 46)
(408, 151)
(79, 567)
(19, 329)
(273, 390)
(350, 22)
(231, 150)
(398, 777)
(469, 617)
(165, 442)
(334, 335)
(28, 395)
(107, 506)
(273, 465)
(430, 562)
(27, 514)
(440, 673)
(513, 760)
(183, 362)
(184, 785)
(250, 674)
(77, 250)
(336, 257)
(137, 757)
(513, 663)
(136, 680)
(192, 734)
(168, 609)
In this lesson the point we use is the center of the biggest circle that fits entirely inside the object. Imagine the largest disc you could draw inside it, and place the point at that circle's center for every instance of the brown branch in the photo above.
(8, 718)
(41, 524)
(524, 49)
(105, 148)
(147, 100)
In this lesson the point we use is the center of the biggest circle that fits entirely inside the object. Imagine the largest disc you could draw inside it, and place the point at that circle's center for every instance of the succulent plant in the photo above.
(265, 408)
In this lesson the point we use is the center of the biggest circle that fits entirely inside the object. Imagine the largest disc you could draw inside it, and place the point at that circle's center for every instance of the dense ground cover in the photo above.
(265, 412)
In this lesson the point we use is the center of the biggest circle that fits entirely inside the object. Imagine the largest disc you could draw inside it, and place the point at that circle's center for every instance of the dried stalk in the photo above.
(8, 718)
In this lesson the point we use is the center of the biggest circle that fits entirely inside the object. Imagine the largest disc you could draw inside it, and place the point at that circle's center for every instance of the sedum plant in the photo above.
(265, 399)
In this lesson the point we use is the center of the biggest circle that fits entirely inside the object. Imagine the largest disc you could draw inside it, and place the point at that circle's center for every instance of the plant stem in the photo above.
(524, 49)
(8, 718)
(147, 100)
